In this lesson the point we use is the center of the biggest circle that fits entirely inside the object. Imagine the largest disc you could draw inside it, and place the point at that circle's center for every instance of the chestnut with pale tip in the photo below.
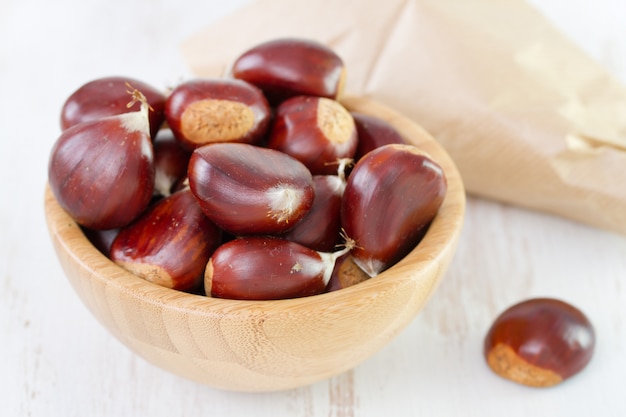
(539, 342)
(288, 67)
(317, 131)
(108, 96)
(102, 171)
(170, 244)
(206, 111)
(391, 196)
(268, 268)
(246, 189)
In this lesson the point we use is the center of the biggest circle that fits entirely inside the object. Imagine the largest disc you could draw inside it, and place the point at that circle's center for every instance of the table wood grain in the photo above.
(56, 360)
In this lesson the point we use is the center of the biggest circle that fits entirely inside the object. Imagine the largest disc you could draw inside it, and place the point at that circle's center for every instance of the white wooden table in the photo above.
(56, 360)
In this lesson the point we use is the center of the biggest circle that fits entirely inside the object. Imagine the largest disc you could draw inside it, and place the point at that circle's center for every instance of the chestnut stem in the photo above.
(330, 258)
(137, 96)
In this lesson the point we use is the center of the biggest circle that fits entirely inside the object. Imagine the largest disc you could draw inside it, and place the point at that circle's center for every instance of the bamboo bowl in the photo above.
(265, 345)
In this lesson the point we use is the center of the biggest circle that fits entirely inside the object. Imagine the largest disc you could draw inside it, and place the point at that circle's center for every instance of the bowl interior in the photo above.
(265, 345)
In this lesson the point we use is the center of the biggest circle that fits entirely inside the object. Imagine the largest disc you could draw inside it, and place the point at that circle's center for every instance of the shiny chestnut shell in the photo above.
(539, 342)
(288, 67)
(102, 171)
(391, 196)
(266, 268)
(110, 96)
(246, 189)
(169, 244)
(215, 110)
(373, 132)
(317, 131)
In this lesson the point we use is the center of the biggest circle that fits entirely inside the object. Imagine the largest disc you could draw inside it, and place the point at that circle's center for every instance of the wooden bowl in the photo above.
(265, 345)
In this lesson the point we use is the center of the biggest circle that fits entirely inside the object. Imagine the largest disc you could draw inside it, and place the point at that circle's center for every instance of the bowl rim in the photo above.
(440, 239)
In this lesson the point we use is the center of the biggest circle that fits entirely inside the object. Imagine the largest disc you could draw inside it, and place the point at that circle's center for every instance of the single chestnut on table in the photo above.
(539, 342)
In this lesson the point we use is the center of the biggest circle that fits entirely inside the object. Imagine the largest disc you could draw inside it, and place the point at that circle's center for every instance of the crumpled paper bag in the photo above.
(527, 117)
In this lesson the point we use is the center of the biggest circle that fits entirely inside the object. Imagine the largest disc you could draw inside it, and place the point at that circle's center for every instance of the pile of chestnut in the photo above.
(257, 185)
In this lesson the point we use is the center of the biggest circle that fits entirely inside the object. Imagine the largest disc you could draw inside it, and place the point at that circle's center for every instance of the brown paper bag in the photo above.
(527, 117)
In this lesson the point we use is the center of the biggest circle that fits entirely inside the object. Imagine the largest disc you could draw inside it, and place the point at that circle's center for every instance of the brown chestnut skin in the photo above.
(320, 229)
(108, 96)
(289, 67)
(205, 111)
(391, 196)
(317, 131)
(345, 274)
(267, 268)
(373, 132)
(102, 171)
(170, 244)
(539, 342)
(170, 162)
(246, 189)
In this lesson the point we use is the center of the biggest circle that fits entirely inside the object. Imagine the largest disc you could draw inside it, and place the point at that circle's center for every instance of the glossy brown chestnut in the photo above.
(170, 162)
(267, 268)
(102, 171)
(109, 96)
(205, 111)
(246, 189)
(288, 67)
(373, 133)
(320, 229)
(391, 196)
(539, 342)
(316, 131)
(170, 244)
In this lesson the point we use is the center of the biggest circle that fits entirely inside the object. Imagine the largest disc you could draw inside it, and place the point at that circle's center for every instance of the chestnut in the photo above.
(539, 342)
(205, 111)
(102, 171)
(169, 244)
(246, 189)
(391, 196)
(373, 132)
(268, 268)
(108, 96)
(317, 131)
(320, 229)
(289, 67)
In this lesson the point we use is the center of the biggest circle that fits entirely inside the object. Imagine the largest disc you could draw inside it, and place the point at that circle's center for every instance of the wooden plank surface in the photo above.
(58, 361)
